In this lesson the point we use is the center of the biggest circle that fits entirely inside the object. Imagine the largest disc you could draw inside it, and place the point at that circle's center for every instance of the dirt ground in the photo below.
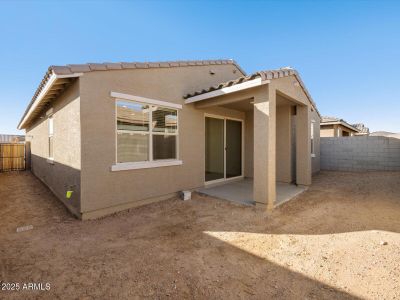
(338, 240)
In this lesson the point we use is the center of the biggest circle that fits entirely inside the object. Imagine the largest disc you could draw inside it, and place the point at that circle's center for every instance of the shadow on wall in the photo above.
(60, 179)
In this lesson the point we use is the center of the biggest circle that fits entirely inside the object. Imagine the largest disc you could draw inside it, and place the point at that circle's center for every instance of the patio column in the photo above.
(283, 144)
(303, 146)
(264, 147)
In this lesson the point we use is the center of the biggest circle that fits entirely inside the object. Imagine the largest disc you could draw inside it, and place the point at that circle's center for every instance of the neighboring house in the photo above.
(11, 138)
(362, 129)
(335, 127)
(119, 135)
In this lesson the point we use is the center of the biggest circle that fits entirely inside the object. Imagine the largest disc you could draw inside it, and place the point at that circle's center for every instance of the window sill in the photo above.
(145, 165)
(50, 161)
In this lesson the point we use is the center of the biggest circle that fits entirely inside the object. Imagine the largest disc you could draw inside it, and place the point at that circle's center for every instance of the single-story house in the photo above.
(119, 135)
(335, 127)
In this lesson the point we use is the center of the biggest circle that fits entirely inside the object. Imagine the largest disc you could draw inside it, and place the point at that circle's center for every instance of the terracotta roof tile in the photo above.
(113, 66)
(142, 65)
(79, 68)
(97, 67)
(60, 70)
(128, 65)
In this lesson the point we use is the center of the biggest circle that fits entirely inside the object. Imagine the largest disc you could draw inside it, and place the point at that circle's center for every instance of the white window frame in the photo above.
(312, 138)
(151, 163)
(50, 134)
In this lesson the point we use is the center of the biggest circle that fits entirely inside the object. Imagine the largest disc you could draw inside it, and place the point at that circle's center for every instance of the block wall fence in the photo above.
(360, 153)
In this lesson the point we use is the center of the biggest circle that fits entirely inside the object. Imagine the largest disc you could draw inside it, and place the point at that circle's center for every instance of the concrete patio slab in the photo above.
(241, 191)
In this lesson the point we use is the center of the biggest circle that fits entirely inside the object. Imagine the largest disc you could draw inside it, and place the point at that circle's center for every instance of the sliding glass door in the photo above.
(233, 148)
(215, 164)
(223, 149)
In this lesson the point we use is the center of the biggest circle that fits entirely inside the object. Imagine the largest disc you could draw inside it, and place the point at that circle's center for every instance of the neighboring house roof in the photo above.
(11, 138)
(264, 75)
(396, 135)
(333, 121)
(385, 133)
(58, 77)
(361, 128)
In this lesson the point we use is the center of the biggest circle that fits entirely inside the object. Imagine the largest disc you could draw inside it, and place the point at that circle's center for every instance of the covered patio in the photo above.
(276, 149)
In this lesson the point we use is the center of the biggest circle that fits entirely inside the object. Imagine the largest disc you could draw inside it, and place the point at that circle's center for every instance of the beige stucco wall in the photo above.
(64, 173)
(102, 188)
(290, 89)
(327, 131)
(335, 130)
(283, 143)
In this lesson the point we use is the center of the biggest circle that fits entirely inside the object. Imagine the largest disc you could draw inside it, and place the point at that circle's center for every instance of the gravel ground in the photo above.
(338, 240)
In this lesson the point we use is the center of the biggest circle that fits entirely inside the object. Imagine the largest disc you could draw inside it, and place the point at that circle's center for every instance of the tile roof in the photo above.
(326, 119)
(264, 75)
(83, 68)
(70, 70)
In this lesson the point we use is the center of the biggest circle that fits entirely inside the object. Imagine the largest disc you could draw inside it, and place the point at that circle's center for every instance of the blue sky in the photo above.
(347, 52)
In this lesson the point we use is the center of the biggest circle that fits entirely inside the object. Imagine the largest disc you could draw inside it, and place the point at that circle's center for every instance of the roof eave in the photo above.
(47, 85)
(227, 90)
(340, 123)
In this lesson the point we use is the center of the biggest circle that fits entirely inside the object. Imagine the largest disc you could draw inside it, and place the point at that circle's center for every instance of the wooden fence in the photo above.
(12, 157)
